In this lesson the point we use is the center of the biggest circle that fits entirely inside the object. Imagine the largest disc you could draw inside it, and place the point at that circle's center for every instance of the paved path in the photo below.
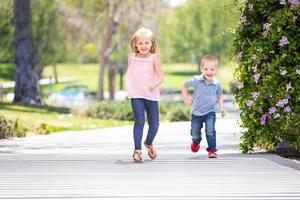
(97, 165)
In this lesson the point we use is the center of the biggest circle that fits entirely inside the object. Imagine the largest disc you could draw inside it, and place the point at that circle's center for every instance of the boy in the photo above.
(206, 93)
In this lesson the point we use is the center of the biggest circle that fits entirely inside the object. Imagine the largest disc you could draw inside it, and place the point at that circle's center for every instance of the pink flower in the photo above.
(283, 41)
(243, 19)
(282, 103)
(254, 95)
(272, 110)
(238, 56)
(253, 57)
(263, 119)
(287, 109)
(266, 26)
(240, 85)
(294, 2)
(256, 78)
(249, 103)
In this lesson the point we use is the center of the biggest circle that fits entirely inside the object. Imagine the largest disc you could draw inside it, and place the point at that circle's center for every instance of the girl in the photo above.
(144, 75)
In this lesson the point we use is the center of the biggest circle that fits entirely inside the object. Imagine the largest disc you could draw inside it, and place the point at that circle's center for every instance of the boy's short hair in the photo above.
(209, 58)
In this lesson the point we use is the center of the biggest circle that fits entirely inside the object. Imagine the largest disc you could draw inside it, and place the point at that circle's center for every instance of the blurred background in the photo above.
(80, 48)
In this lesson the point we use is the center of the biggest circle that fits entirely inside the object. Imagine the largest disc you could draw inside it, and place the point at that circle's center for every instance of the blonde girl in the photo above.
(144, 76)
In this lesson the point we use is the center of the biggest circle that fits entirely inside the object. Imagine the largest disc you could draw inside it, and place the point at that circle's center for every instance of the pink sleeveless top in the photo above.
(140, 74)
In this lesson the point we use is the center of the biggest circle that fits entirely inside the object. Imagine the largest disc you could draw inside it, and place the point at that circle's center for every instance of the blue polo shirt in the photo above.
(204, 95)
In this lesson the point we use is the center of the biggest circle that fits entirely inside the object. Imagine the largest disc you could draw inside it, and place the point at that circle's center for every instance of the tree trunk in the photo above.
(112, 81)
(27, 89)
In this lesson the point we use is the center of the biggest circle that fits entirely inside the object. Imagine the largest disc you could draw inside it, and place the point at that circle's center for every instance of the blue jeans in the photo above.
(197, 123)
(139, 107)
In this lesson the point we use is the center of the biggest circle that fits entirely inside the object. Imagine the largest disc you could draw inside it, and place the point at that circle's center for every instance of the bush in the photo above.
(111, 110)
(11, 128)
(122, 111)
(266, 47)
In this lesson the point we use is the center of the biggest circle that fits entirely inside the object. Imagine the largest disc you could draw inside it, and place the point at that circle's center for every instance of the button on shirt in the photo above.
(204, 95)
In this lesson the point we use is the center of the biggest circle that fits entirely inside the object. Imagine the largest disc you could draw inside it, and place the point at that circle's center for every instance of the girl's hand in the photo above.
(187, 102)
(151, 87)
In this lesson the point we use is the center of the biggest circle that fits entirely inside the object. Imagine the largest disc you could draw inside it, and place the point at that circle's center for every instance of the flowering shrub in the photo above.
(266, 47)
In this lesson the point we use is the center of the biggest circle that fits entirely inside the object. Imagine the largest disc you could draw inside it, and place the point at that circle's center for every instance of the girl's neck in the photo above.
(139, 55)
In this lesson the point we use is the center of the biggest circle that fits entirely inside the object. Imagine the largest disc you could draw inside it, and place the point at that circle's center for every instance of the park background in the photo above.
(84, 44)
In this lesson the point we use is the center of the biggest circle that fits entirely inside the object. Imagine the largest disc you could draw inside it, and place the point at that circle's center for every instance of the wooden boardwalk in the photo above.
(98, 165)
(175, 177)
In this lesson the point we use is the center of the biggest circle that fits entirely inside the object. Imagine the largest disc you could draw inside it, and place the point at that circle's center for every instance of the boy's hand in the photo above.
(223, 113)
(187, 102)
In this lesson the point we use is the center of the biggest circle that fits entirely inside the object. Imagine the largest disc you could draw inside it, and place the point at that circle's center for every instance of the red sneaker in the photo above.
(195, 147)
(212, 154)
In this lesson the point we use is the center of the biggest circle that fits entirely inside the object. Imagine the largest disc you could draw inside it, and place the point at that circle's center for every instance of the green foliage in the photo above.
(175, 112)
(9, 128)
(123, 111)
(6, 31)
(111, 110)
(196, 28)
(266, 47)
(5, 127)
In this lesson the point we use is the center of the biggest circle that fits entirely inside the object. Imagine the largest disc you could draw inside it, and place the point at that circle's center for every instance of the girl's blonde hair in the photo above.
(147, 32)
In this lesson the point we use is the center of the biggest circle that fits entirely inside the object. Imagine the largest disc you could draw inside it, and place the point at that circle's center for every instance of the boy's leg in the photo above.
(196, 126)
(138, 107)
(210, 131)
(152, 111)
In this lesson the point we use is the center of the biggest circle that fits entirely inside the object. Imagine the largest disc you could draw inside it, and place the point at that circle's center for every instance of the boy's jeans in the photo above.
(197, 123)
(139, 106)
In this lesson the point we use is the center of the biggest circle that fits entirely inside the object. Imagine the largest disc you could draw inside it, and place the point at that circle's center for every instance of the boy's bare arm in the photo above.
(185, 96)
(221, 105)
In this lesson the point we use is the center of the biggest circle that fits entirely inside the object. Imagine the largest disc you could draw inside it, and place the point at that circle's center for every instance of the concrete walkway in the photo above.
(97, 164)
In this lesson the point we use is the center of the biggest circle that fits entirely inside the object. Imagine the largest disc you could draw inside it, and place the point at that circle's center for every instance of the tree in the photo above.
(27, 89)
(196, 28)
(122, 19)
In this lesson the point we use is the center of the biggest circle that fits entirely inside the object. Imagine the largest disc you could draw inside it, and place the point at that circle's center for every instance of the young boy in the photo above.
(207, 92)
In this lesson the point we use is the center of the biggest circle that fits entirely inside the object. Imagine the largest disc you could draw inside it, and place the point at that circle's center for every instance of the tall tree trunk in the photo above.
(27, 89)
(112, 71)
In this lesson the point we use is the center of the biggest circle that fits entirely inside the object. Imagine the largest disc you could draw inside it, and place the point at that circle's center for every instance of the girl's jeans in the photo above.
(197, 123)
(139, 107)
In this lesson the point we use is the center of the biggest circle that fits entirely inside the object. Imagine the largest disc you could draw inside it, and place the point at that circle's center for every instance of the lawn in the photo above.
(175, 75)
(56, 119)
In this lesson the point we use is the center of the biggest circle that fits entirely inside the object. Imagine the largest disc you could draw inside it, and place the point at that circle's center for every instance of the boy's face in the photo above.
(143, 44)
(208, 70)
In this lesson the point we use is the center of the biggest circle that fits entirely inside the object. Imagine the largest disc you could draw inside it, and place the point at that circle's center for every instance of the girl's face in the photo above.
(143, 44)
(209, 70)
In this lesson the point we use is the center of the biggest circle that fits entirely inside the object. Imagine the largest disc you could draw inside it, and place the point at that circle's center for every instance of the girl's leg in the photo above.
(138, 107)
(210, 130)
(152, 111)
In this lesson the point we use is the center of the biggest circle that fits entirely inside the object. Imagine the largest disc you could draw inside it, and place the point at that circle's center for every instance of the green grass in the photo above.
(175, 75)
(58, 119)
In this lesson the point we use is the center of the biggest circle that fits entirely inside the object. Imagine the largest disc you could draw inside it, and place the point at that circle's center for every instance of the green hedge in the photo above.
(122, 111)
(10, 128)
(266, 47)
